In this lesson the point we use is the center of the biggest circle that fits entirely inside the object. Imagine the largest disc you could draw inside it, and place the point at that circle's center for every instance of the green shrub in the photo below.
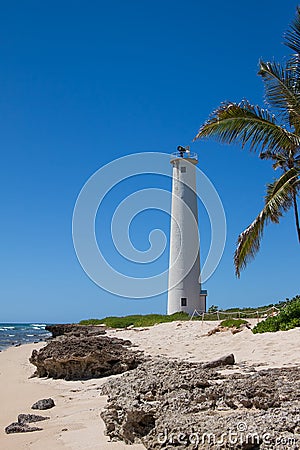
(91, 322)
(213, 308)
(288, 318)
(229, 323)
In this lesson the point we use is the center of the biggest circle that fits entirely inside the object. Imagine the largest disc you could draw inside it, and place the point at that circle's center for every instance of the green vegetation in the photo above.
(241, 313)
(153, 319)
(230, 323)
(212, 309)
(274, 133)
(288, 318)
(136, 321)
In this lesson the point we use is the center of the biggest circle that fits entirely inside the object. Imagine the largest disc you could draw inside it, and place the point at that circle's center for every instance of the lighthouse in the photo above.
(184, 283)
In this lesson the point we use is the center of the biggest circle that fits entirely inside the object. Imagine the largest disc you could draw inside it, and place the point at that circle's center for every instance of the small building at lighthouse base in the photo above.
(185, 304)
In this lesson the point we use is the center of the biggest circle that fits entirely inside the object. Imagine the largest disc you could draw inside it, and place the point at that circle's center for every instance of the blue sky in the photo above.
(83, 83)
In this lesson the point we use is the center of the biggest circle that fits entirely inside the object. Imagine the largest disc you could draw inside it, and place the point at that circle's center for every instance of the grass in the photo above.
(153, 319)
(137, 320)
(230, 323)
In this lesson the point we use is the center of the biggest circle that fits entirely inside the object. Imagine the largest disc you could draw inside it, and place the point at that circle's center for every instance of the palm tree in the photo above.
(274, 133)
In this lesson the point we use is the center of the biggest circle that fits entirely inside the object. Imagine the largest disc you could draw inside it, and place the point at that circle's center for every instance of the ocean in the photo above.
(12, 334)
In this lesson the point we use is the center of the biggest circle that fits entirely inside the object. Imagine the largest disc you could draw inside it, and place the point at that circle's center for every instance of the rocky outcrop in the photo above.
(182, 405)
(17, 427)
(227, 360)
(29, 418)
(22, 425)
(73, 357)
(45, 403)
(233, 329)
(75, 329)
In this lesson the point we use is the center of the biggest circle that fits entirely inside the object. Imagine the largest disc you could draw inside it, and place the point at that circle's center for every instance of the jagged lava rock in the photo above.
(163, 403)
(71, 357)
(227, 360)
(29, 418)
(45, 403)
(67, 328)
(17, 427)
(22, 425)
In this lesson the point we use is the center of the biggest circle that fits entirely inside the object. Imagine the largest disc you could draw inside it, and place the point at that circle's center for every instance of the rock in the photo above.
(224, 361)
(132, 406)
(236, 330)
(17, 427)
(29, 418)
(233, 329)
(71, 357)
(138, 330)
(68, 328)
(165, 402)
(215, 330)
(45, 403)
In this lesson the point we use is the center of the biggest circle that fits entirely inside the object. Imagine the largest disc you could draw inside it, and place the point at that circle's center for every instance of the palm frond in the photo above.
(281, 159)
(278, 200)
(293, 66)
(247, 124)
(292, 37)
(280, 164)
(281, 90)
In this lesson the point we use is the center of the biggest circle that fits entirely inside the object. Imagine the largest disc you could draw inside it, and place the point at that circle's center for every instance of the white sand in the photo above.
(187, 340)
(78, 404)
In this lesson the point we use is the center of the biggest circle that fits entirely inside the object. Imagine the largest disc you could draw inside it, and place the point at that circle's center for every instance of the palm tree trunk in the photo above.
(296, 215)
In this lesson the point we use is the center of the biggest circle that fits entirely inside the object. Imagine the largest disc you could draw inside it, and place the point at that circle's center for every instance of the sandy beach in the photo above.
(76, 412)
(75, 422)
(188, 340)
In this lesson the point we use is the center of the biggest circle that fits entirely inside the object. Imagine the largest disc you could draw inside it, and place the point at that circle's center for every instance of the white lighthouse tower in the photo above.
(184, 287)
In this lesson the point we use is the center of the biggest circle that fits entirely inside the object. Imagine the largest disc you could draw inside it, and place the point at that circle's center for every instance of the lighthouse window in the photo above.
(183, 301)
(183, 169)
